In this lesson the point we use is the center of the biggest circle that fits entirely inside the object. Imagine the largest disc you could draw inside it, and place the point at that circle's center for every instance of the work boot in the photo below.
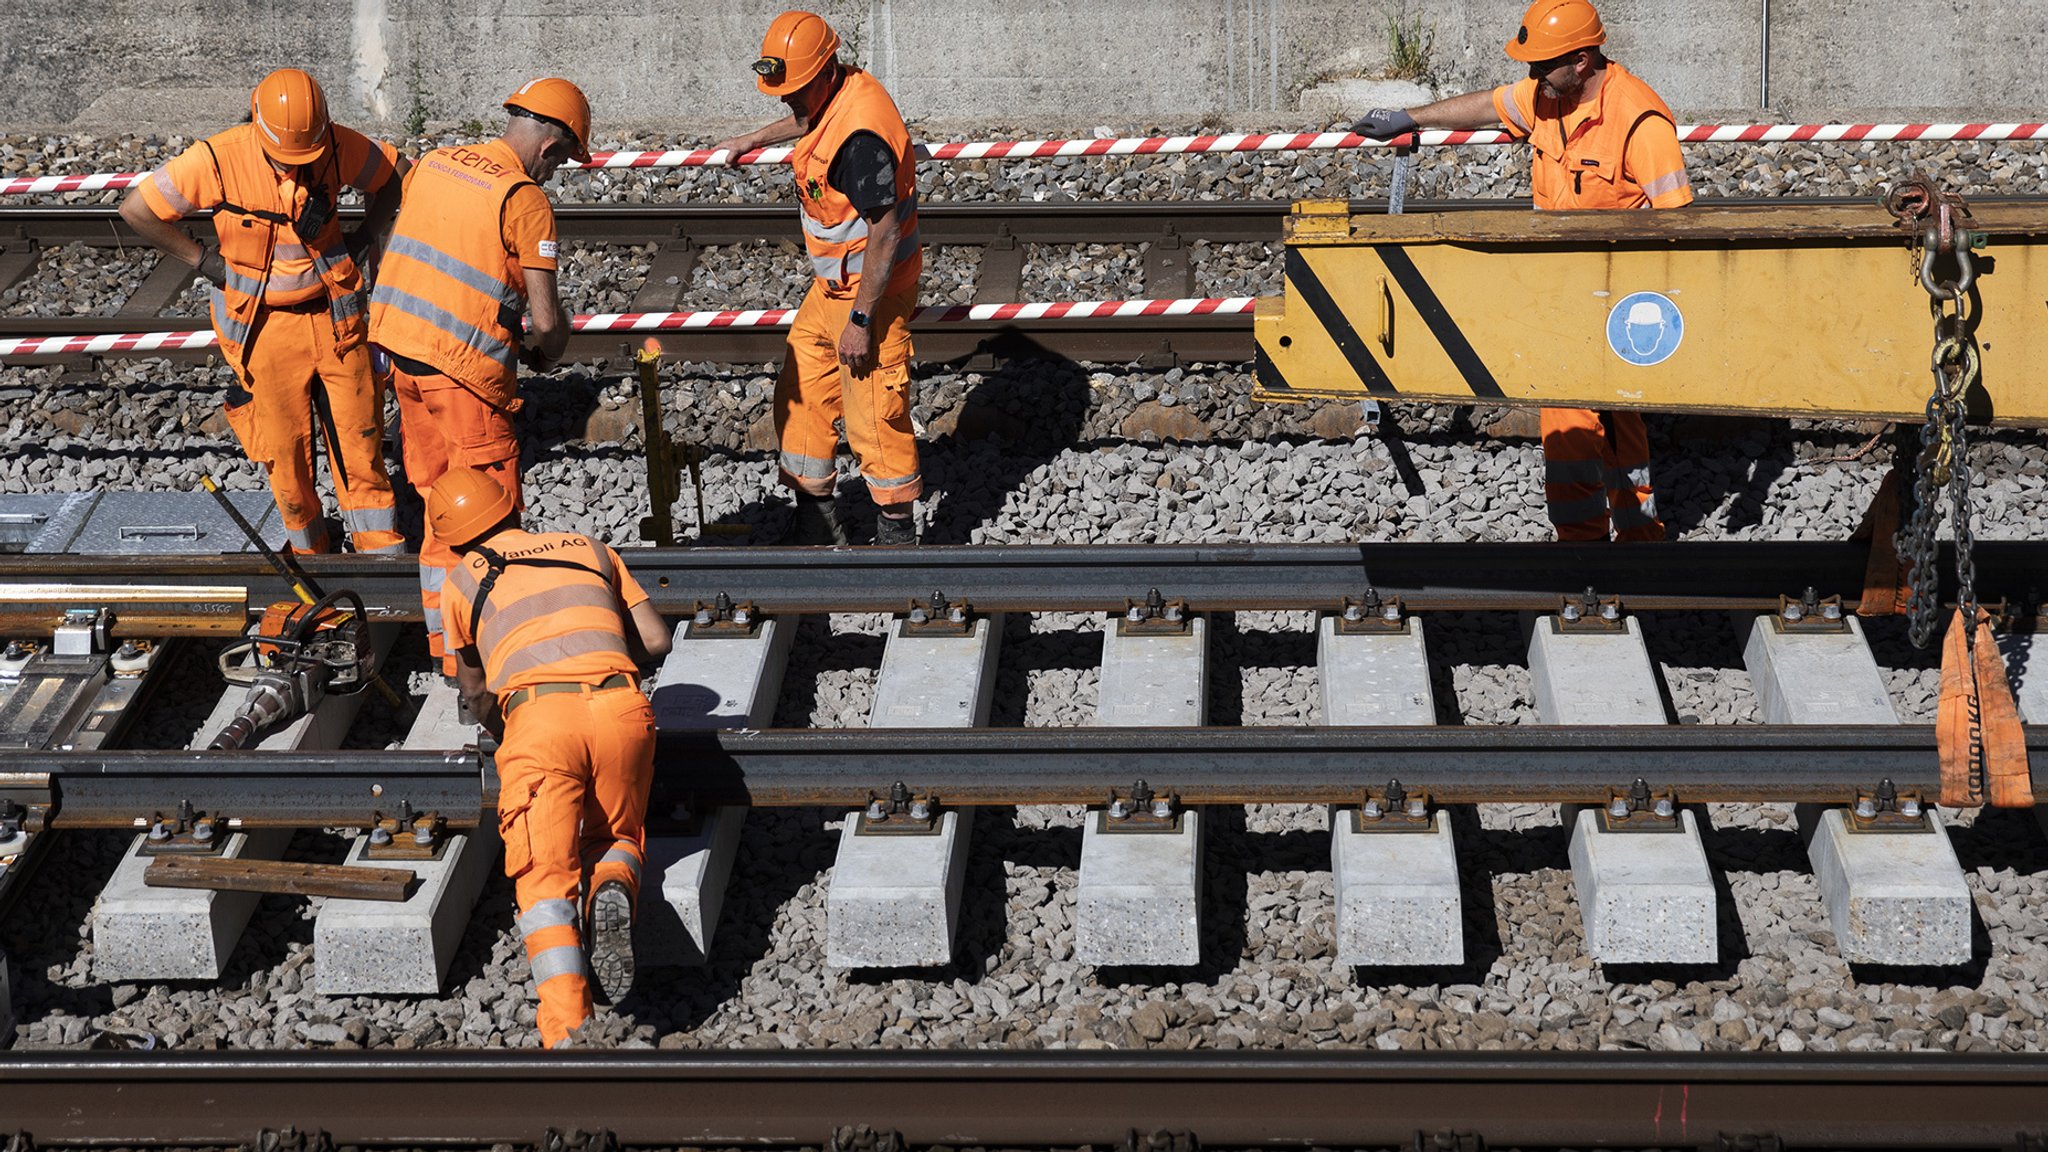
(610, 938)
(896, 530)
(813, 522)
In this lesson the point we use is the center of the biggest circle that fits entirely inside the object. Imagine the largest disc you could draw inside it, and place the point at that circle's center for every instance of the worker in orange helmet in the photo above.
(1600, 138)
(288, 296)
(550, 632)
(474, 247)
(849, 347)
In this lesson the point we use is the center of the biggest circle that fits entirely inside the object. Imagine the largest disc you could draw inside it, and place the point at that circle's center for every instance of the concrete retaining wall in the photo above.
(182, 65)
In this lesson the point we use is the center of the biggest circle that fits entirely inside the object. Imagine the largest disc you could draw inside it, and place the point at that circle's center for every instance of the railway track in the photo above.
(1000, 231)
(585, 1102)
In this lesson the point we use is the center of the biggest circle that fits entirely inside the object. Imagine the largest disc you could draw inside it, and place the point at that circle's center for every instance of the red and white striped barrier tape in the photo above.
(1172, 145)
(672, 321)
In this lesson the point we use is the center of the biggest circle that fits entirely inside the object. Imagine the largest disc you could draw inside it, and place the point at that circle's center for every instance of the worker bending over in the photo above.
(474, 247)
(849, 347)
(1599, 138)
(549, 631)
(287, 297)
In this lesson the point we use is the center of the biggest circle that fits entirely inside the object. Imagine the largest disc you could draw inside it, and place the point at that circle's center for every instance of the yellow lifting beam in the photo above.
(1774, 310)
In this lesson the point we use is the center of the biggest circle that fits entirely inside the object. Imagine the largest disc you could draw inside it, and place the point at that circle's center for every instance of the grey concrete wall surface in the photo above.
(103, 65)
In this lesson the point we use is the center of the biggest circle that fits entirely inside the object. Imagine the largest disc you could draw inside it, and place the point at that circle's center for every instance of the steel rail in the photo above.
(1033, 1099)
(969, 768)
(1532, 576)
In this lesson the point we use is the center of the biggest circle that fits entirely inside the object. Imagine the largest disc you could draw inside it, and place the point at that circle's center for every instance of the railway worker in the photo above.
(287, 296)
(849, 348)
(475, 246)
(1599, 138)
(550, 631)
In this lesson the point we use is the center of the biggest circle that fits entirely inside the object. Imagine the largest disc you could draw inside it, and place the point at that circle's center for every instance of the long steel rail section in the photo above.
(1034, 1099)
(1534, 576)
(846, 767)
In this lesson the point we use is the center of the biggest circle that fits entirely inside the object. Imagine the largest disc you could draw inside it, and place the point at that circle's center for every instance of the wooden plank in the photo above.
(279, 876)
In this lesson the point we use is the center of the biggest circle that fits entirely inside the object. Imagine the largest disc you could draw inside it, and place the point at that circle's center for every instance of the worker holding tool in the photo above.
(849, 347)
(288, 296)
(473, 248)
(1599, 138)
(550, 631)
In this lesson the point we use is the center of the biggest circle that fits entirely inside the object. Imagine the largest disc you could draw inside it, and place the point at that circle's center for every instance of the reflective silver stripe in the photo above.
(370, 519)
(547, 914)
(501, 616)
(622, 856)
(1515, 112)
(311, 538)
(172, 196)
(296, 282)
(432, 576)
(891, 481)
(468, 275)
(440, 318)
(371, 165)
(1573, 472)
(808, 467)
(1579, 511)
(1635, 516)
(561, 960)
(833, 267)
(243, 284)
(232, 331)
(345, 305)
(1638, 477)
(433, 616)
(563, 647)
(1669, 182)
(290, 251)
(853, 229)
(395, 548)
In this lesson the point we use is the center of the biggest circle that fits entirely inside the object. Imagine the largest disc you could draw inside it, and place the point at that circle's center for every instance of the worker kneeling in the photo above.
(549, 631)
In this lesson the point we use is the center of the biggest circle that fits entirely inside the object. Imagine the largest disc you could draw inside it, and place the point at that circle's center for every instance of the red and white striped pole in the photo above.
(142, 343)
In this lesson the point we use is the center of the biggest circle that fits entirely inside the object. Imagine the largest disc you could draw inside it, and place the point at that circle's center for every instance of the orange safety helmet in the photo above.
(1551, 28)
(290, 114)
(555, 99)
(797, 45)
(464, 504)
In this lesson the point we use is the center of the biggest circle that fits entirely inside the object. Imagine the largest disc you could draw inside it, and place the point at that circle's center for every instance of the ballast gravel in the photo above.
(1041, 452)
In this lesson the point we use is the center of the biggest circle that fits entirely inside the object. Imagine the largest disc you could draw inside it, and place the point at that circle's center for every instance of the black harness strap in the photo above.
(497, 565)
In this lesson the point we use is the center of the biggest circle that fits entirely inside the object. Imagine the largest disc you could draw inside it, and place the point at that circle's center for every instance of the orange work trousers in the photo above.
(1596, 472)
(443, 425)
(272, 411)
(573, 774)
(814, 390)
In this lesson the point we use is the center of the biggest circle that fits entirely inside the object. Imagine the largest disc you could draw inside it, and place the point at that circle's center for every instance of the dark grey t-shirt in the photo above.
(865, 172)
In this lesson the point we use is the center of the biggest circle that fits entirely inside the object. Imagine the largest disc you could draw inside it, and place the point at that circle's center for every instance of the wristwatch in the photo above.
(860, 319)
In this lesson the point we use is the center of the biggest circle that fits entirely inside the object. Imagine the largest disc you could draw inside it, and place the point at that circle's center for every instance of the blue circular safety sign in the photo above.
(1645, 328)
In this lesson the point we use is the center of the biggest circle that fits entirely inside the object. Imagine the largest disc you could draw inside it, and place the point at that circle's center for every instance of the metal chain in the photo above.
(1930, 217)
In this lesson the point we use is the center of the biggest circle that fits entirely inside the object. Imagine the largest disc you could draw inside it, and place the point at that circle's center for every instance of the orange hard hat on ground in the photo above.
(1551, 28)
(552, 98)
(797, 45)
(290, 114)
(466, 503)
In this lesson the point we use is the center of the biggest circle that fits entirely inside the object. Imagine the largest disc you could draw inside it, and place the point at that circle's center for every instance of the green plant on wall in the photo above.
(1409, 45)
(416, 90)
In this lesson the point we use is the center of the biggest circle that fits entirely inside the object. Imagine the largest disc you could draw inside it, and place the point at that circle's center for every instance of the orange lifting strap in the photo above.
(1975, 695)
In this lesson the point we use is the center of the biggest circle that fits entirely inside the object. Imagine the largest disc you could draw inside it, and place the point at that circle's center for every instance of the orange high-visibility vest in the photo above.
(254, 227)
(833, 229)
(1585, 162)
(449, 292)
(555, 613)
